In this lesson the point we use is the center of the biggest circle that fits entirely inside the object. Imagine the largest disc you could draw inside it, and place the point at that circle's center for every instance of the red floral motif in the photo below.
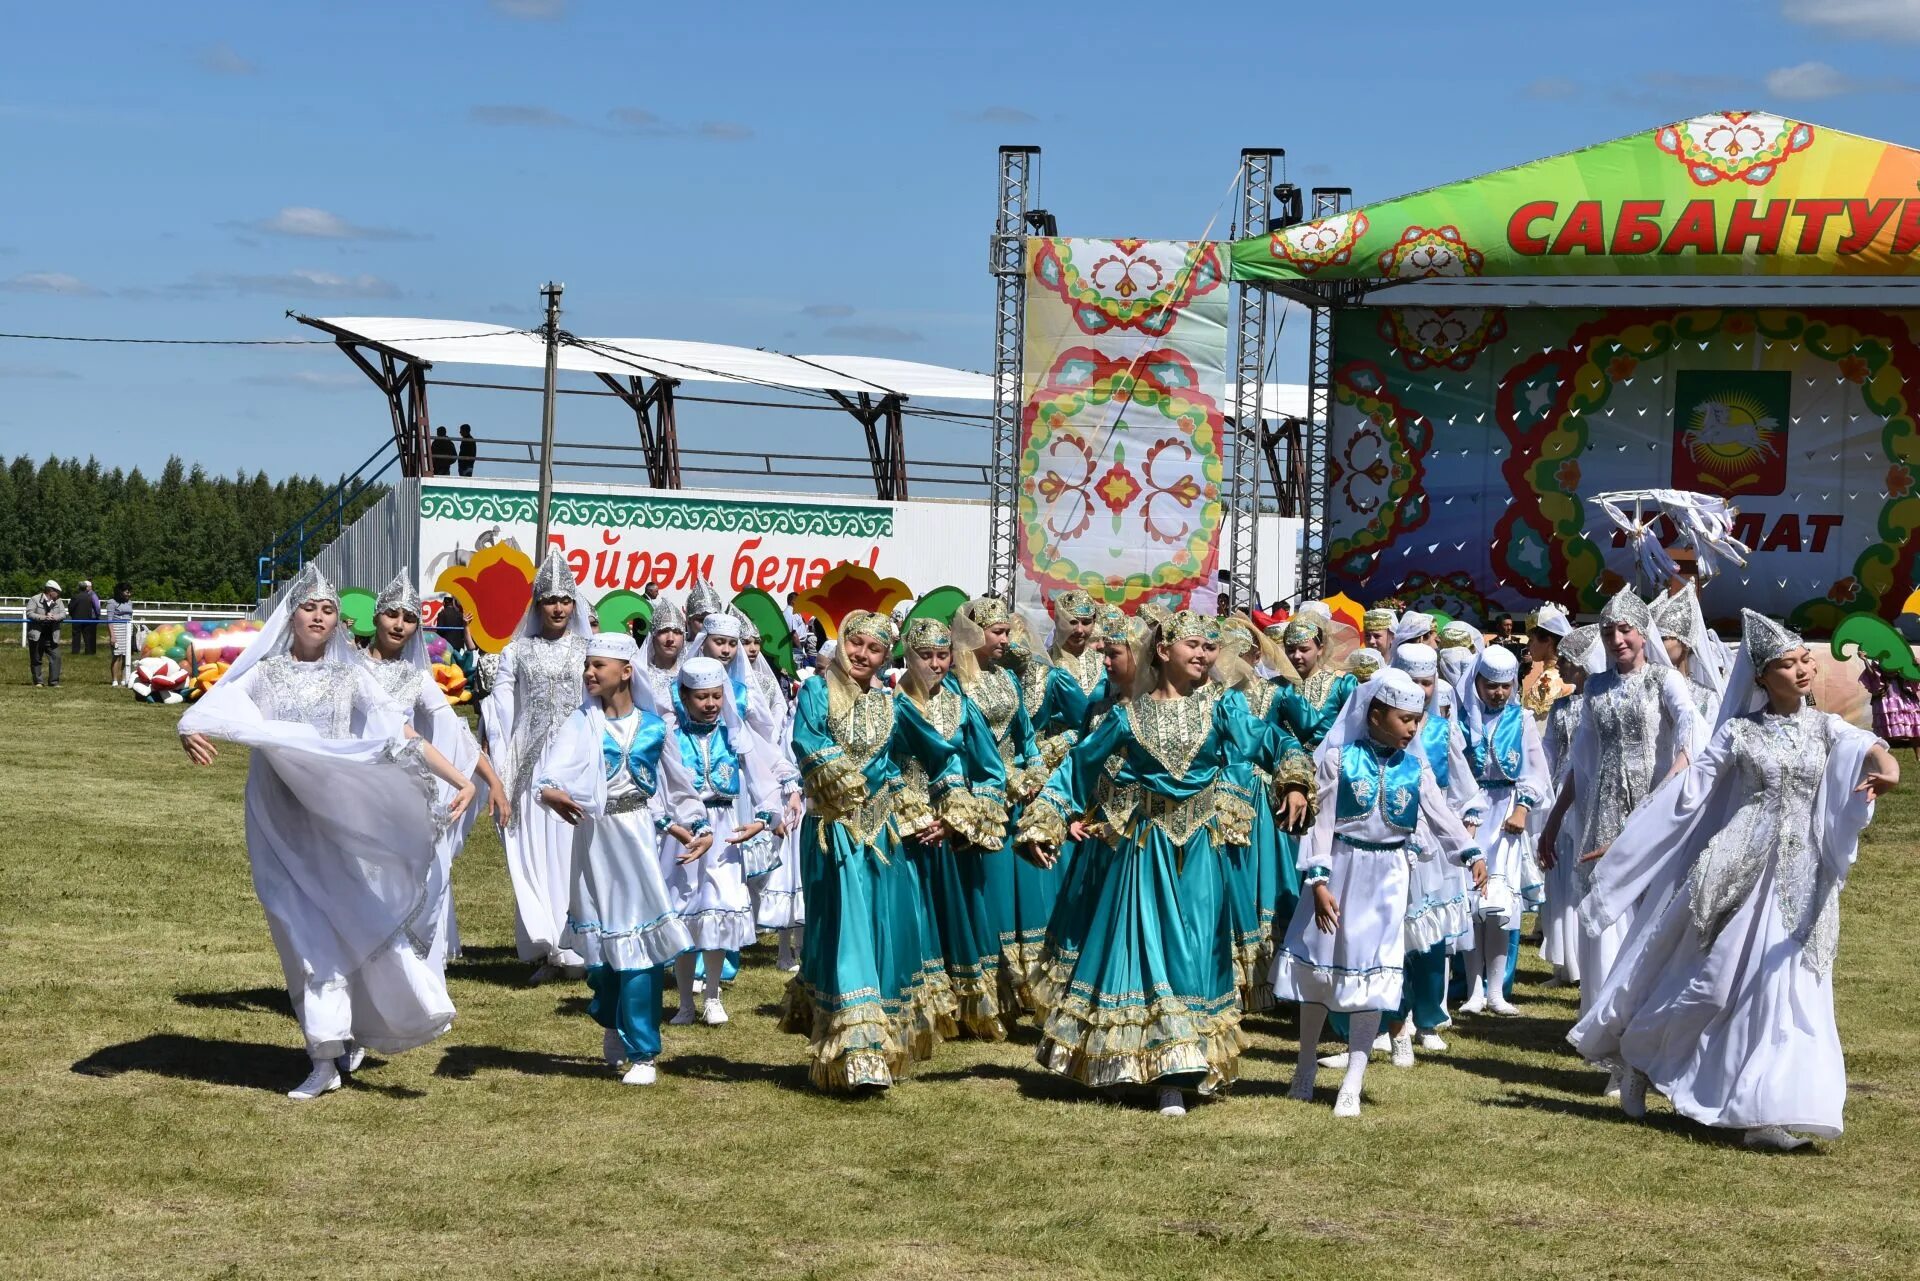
(494, 589)
(846, 588)
(1568, 474)
(1853, 368)
(1117, 489)
(1621, 367)
(1843, 591)
(1899, 480)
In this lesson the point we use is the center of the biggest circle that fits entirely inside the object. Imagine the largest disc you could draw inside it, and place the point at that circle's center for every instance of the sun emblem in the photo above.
(1731, 438)
(1733, 146)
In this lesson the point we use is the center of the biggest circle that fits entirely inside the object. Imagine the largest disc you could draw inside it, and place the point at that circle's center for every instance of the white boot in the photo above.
(1476, 1002)
(1616, 1078)
(350, 1061)
(1633, 1093)
(1774, 1138)
(1172, 1103)
(324, 1079)
(1403, 1048)
(716, 1013)
(640, 1074)
(1431, 1042)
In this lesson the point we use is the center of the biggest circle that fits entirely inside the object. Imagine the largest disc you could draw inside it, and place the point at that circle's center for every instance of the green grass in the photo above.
(144, 1042)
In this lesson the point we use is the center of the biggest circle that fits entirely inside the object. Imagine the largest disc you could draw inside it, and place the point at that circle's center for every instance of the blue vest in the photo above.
(709, 756)
(1369, 780)
(643, 754)
(1435, 732)
(1497, 751)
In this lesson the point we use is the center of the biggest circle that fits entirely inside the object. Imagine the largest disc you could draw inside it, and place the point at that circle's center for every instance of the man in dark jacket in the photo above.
(443, 452)
(469, 449)
(84, 612)
(45, 613)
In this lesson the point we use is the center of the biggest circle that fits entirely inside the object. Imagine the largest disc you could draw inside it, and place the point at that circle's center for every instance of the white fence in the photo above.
(146, 613)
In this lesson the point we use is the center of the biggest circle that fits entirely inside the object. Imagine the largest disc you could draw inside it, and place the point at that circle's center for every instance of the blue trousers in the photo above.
(628, 1001)
(1424, 988)
(1462, 982)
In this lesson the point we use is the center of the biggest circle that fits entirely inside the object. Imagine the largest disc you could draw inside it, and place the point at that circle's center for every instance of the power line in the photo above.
(243, 342)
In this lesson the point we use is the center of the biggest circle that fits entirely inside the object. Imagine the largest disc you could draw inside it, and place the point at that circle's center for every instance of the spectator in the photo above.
(84, 611)
(443, 452)
(119, 615)
(45, 613)
(451, 623)
(469, 449)
(651, 591)
(1508, 637)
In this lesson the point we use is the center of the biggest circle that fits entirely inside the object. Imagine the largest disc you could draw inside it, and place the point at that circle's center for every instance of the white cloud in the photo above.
(1810, 81)
(309, 379)
(1550, 89)
(221, 59)
(998, 114)
(875, 333)
(520, 115)
(50, 282)
(1858, 19)
(318, 224)
(826, 310)
(531, 10)
(301, 282)
(723, 130)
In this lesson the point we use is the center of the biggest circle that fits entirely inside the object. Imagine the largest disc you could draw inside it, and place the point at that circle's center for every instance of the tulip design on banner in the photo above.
(494, 590)
(846, 588)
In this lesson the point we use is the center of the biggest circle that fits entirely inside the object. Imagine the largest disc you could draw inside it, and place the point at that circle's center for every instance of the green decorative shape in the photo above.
(356, 606)
(1440, 618)
(618, 609)
(776, 638)
(1875, 638)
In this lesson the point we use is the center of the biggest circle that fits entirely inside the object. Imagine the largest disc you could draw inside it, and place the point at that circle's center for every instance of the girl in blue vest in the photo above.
(1379, 805)
(1503, 745)
(613, 779)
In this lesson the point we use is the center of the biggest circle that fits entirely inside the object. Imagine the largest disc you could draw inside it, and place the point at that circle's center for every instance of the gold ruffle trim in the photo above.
(912, 812)
(836, 788)
(1233, 818)
(1054, 749)
(1252, 966)
(864, 1045)
(1296, 772)
(1043, 825)
(976, 820)
(1133, 1044)
(980, 1010)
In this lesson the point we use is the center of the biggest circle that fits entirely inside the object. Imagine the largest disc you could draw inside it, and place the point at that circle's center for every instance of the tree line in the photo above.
(183, 536)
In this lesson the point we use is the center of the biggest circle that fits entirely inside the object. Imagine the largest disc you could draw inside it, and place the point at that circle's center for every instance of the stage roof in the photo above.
(1728, 194)
(461, 342)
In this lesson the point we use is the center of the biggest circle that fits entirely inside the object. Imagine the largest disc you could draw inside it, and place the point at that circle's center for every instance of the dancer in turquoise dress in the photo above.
(1149, 998)
(951, 811)
(1019, 895)
(1325, 685)
(1279, 779)
(861, 994)
(1076, 672)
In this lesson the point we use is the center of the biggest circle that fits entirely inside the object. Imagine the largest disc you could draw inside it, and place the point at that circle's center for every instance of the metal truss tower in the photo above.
(1243, 446)
(1007, 262)
(1327, 201)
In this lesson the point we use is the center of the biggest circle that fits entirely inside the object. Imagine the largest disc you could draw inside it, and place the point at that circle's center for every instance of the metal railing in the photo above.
(146, 613)
(323, 522)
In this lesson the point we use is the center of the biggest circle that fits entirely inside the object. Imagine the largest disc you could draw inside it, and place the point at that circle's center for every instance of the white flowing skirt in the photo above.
(540, 866)
(1358, 966)
(396, 999)
(620, 913)
(782, 904)
(1514, 882)
(1439, 905)
(1560, 918)
(710, 893)
(1738, 1034)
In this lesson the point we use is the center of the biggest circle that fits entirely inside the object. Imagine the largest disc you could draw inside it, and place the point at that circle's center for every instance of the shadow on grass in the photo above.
(1031, 1082)
(500, 966)
(1608, 1112)
(245, 1000)
(464, 1062)
(713, 1067)
(248, 1065)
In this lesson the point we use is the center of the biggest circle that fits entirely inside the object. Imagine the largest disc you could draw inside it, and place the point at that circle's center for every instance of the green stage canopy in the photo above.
(1734, 193)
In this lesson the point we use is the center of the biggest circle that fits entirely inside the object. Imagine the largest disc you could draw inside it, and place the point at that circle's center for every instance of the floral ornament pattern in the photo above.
(1424, 252)
(1427, 336)
(1733, 146)
(1327, 242)
(1141, 285)
(1087, 422)
(1451, 594)
(848, 587)
(1376, 473)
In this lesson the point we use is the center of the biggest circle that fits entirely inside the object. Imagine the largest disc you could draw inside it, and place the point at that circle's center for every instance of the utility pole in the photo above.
(551, 292)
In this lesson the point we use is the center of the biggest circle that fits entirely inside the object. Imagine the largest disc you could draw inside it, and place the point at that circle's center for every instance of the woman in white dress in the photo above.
(1723, 1001)
(398, 656)
(342, 822)
(782, 905)
(1560, 914)
(1380, 805)
(613, 776)
(537, 688)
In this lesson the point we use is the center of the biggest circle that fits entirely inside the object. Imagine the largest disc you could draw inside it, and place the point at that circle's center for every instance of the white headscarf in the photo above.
(1393, 687)
(1679, 616)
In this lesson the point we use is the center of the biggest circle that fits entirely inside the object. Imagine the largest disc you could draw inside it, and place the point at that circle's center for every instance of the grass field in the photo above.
(145, 1042)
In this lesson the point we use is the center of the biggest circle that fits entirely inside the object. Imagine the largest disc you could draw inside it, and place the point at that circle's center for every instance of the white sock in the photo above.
(1313, 1018)
(1361, 1029)
(715, 962)
(683, 978)
(1493, 958)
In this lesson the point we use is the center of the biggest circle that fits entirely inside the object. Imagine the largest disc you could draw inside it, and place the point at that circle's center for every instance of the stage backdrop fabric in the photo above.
(1120, 447)
(1465, 442)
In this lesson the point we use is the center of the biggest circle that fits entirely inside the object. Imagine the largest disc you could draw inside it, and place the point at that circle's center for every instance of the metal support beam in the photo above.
(1007, 262)
(1249, 384)
(1327, 201)
(652, 404)
(403, 381)
(886, 440)
(1286, 467)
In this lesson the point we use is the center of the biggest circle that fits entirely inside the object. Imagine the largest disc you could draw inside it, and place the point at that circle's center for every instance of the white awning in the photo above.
(460, 342)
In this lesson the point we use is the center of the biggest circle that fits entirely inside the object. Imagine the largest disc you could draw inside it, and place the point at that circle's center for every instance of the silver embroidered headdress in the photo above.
(1625, 607)
(703, 598)
(398, 594)
(309, 584)
(667, 616)
(1579, 644)
(555, 578)
(1765, 640)
(749, 630)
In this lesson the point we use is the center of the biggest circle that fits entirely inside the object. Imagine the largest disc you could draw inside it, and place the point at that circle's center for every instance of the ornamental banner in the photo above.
(1739, 193)
(1120, 446)
(1465, 443)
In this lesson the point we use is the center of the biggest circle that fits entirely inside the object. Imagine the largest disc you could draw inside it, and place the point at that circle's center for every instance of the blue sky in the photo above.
(809, 177)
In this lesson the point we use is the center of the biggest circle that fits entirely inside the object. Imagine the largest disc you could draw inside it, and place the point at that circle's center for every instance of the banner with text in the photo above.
(1121, 435)
(1465, 440)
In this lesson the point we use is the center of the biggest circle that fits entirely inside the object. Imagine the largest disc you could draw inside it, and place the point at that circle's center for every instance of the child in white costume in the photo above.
(398, 656)
(613, 773)
(1723, 998)
(537, 688)
(1379, 805)
(731, 776)
(341, 829)
(1503, 745)
(781, 904)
